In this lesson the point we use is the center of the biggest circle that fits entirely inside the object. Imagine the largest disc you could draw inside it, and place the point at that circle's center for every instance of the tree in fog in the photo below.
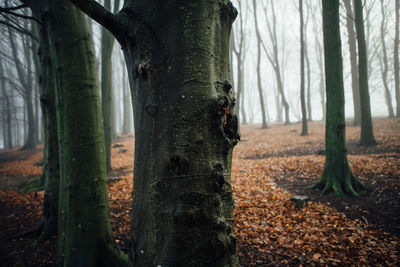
(274, 59)
(7, 119)
(367, 135)
(177, 53)
(304, 126)
(351, 35)
(258, 67)
(26, 79)
(337, 176)
(396, 58)
(238, 47)
(107, 45)
(383, 60)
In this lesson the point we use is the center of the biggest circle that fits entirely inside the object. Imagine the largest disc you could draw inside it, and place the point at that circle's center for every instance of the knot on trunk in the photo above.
(228, 11)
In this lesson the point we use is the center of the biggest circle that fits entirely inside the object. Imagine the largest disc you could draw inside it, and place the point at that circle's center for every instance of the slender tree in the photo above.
(258, 67)
(8, 140)
(274, 59)
(367, 134)
(383, 60)
(337, 176)
(304, 126)
(107, 45)
(177, 53)
(396, 58)
(351, 35)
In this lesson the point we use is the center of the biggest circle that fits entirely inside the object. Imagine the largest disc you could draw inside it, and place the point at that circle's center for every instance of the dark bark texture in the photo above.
(337, 176)
(85, 236)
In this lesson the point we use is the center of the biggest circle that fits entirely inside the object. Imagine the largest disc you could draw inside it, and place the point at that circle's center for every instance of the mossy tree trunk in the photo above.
(367, 134)
(337, 176)
(85, 236)
(177, 54)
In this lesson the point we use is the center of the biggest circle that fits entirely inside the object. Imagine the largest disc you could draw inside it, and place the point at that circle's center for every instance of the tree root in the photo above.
(348, 186)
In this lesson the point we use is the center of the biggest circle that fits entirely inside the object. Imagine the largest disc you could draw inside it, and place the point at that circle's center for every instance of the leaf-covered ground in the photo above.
(269, 167)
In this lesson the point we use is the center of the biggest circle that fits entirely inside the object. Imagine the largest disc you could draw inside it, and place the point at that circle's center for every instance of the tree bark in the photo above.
(337, 176)
(85, 236)
(8, 140)
(185, 128)
(367, 134)
(353, 62)
(304, 126)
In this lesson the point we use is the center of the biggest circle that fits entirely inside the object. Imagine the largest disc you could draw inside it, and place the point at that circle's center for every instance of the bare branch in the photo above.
(4, 10)
(19, 29)
(98, 13)
(12, 8)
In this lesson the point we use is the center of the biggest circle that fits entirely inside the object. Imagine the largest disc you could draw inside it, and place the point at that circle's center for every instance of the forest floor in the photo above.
(269, 167)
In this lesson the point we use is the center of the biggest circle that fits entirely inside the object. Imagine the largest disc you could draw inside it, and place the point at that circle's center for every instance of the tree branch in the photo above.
(98, 13)
(12, 8)
(5, 10)
(20, 30)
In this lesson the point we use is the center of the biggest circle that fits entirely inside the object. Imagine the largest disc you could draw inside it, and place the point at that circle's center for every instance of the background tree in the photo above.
(185, 128)
(337, 176)
(304, 126)
(259, 83)
(396, 58)
(367, 134)
(274, 59)
(351, 35)
(107, 45)
(383, 60)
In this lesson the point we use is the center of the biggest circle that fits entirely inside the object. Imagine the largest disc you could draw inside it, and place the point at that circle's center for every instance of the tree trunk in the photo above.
(304, 126)
(178, 62)
(85, 236)
(367, 134)
(259, 85)
(396, 59)
(107, 44)
(353, 62)
(337, 176)
(8, 143)
(384, 64)
(320, 60)
(127, 119)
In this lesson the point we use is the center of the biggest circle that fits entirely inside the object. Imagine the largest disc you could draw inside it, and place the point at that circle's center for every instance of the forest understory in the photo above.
(269, 167)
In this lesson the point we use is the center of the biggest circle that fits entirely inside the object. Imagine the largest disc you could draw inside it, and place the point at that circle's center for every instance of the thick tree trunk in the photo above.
(178, 61)
(396, 59)
(337, 176)
(367, 134)
(85, 236)
(304, 126)
(184, 108)
(353, 62)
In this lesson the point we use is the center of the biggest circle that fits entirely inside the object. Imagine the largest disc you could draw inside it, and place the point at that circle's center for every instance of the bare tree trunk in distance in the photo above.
(304, 126)
(384, 65)
(259, 85)
(367, 134)
(396, 58)
(353, 62)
